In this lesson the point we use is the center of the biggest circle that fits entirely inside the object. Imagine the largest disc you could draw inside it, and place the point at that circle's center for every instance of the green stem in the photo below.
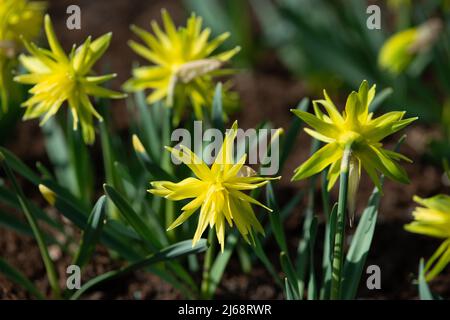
(338, 250)
(207, 265)
(48, 263)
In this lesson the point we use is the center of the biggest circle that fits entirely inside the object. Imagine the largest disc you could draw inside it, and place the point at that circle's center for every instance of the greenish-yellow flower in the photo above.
(216, 191)
(58, 78)
(433, 219)
(358, 127)
(399, 50)
(183, 64)
(18, 18)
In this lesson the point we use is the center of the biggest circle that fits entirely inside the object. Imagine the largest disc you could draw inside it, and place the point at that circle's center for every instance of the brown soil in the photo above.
(266, 95)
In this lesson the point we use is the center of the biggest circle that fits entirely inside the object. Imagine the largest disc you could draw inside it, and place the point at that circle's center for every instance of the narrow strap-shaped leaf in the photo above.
(330, 230)
(359, 248)
(174, 251)
(81, 161)
(424, 290)
(244, 258)
(290, 273)
(380, 98)
(58, 153)
(32, 220)
(17, 165)
(312, 285)
(261, 254)
(292, 133)
(77, 215)
(217, 109)
(290, 293)
(16, 276)
(221, 262)
(10, 221)
(152, 167)
(148, 126)
(275, 219)
(129, 215)
(92, 233)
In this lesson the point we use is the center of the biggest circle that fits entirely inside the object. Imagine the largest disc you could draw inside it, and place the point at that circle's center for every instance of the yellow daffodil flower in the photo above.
(183, 64)
(355, 126)
(59, 78)
(433, 219)
(217, 191)
(18, 18)
(399, 50)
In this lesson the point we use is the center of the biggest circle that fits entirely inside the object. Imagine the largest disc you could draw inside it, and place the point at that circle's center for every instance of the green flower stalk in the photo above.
(18, 18)
(433, 219)
(352, 142)
(400, 49)
(58, 78)
(183, 65)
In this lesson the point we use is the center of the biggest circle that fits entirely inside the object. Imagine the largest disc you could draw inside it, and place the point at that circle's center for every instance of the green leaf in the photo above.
(80, 161)
(292, 133)
(424, 290)
(380, 98)
(221, 262)
(58, 153)
(9, 198)
(290, 293)
(330, 230)
(261, 254)
(13, 223)
(217, 109)
(291, 275)
(32, 221)
(77, 215)
(17, 165)
(45, 173)
(303, 259)
(16, 276)
(148, 127)
(91, 233)
(312, 286)
(174, 251)
(109, 158)
(359, 248)
(129, 215)
(155, 170)
(275, 219)
(244, 258)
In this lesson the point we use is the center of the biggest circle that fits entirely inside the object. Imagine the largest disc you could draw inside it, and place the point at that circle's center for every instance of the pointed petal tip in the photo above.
(48, 194)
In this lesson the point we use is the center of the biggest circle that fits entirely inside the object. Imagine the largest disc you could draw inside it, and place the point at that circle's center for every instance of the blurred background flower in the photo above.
(433, 219)
(184, 65)
(18, 18)
(60, 78)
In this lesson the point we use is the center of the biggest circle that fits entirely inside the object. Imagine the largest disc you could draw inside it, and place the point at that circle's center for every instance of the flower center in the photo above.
(349, 137)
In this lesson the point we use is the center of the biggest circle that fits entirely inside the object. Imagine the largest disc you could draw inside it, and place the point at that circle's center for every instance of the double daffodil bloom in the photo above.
(400, 49)
(358, 127)
(433, 219)
(18, 18)
(183, 64)
(217, 191)
(59, 78)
